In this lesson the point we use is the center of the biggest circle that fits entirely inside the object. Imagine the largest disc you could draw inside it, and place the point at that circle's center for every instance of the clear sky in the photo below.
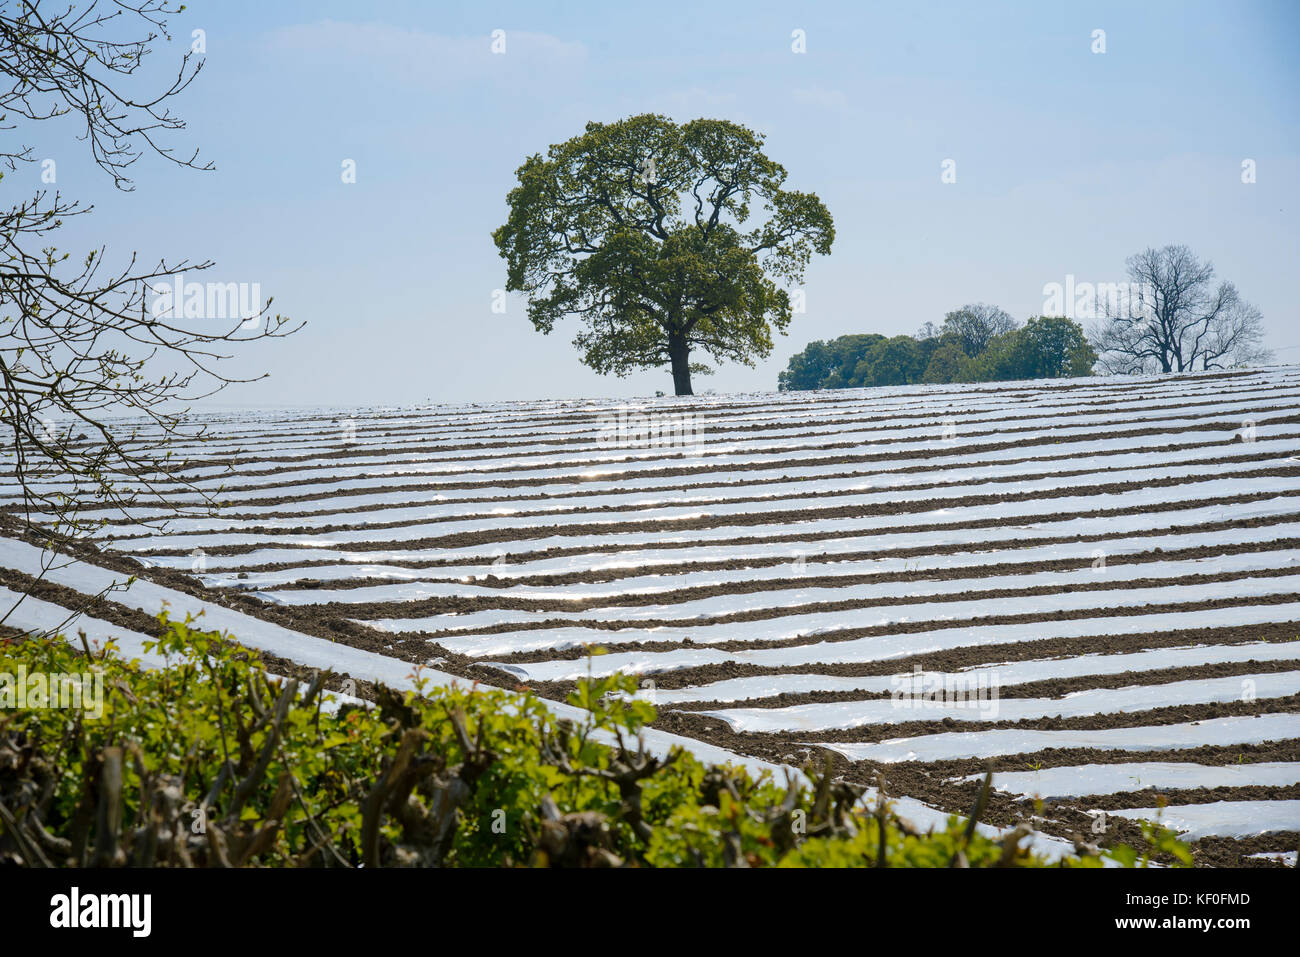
(1067, 162)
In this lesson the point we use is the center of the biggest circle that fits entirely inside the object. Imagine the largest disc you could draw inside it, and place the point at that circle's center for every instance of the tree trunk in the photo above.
(680, 353)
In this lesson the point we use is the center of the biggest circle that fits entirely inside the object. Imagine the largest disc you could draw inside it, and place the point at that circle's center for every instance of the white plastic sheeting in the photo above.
(975, 704)
(885, 647)
(1086, 779)
(954, 746)
(1007, 673)
(1222, 818)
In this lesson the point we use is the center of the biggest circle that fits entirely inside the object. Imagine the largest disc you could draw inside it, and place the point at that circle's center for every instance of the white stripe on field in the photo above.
(789, 597)
(984, 704)
(1221, 818)
(1054, 784)
(956, 746)
(885, 647)
(435, 582)
(1007, 673)
(792, 626)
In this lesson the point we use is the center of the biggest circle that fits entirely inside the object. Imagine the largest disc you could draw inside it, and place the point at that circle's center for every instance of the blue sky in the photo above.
(1067, 162)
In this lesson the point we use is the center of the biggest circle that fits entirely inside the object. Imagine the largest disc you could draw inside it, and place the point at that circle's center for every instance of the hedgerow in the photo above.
(211, 761)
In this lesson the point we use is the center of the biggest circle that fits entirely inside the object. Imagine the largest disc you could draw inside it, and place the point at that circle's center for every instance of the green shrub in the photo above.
(210, 761)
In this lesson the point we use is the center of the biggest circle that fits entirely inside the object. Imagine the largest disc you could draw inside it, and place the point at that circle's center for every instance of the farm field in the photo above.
(1101, 576)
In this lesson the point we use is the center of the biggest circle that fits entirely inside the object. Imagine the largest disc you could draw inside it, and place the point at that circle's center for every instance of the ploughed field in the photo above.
(1091, 586)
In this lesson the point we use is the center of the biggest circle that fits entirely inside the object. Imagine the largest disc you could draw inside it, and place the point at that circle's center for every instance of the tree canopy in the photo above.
(665, 240)
(1046, 347)
(974, 325)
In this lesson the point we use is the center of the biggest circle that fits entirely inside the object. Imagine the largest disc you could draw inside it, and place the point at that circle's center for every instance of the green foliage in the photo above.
(827, 365)
(663, 239)
(1000, 361)
(225, 764)
(946, 363)
(1046, 347)
(895, 361)
(1054, 347)
(975, 325)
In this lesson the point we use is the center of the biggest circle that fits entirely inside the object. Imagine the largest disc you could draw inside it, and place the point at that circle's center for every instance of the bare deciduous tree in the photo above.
(93, 380)
(975, 324)
(1182, 322)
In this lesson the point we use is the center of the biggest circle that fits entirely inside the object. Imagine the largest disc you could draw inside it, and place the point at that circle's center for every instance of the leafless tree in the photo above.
(974, 325)
(1181, 322)
(94, 380)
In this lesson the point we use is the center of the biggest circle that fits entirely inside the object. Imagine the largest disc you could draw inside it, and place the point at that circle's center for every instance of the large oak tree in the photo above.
(664, 239)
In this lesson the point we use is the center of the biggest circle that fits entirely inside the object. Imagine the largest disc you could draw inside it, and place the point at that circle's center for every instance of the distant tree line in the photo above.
(976, 343)
(1172, 316)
